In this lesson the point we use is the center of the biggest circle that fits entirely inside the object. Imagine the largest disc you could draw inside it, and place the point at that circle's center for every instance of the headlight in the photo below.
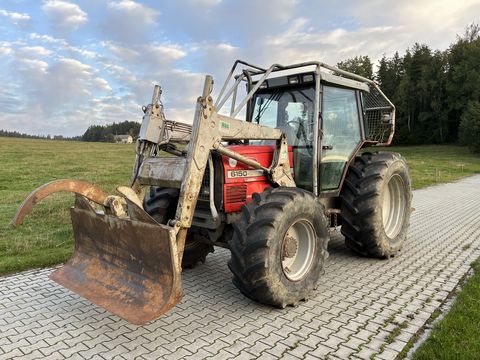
(293, 80)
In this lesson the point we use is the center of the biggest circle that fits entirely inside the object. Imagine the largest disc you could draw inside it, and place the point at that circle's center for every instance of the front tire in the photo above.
(376, 204)
(161, 204)
(279, 246)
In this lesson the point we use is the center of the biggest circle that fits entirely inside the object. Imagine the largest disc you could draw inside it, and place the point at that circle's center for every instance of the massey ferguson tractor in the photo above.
(269, 168)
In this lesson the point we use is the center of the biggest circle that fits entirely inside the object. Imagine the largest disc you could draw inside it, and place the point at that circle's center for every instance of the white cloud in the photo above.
(69, 66)
(221, 47)
(85, 53)
(63, 45)
(48, 39)
(102, 84)
(34, 51)
(164, 52)
(59, 91)
(65, 16)
(5, 50)
(127, 21)
(15, 16)
(10, 101)
(207, 3)
(34, 65)
(135, 10)
(434, 22)
(123, 53)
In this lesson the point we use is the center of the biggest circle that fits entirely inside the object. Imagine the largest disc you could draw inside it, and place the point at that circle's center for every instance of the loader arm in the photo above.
(208, 132)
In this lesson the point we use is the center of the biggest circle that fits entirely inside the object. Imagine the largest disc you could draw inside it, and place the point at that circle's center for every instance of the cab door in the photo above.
(341, 134)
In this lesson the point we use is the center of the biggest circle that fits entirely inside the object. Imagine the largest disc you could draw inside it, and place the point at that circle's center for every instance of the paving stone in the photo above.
(178, 354)
(387, 354)
(343, 352)
(365, 353)
(319, 352)
(358, 303)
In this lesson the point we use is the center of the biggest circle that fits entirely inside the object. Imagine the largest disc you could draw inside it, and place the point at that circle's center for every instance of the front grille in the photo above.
(236, 193)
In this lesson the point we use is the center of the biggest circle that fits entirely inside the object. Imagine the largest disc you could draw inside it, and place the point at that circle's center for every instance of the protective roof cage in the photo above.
(379, 117)
(379, 110)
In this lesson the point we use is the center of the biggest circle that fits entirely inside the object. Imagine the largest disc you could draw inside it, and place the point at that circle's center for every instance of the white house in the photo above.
(123, 139)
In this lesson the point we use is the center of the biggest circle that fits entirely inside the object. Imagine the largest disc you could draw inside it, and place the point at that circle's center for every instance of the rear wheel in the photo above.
(376, 204)
(161, 204)
(279, 246)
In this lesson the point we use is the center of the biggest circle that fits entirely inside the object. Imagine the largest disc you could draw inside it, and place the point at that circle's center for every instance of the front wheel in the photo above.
(279, 246)
(161, 204)
(376, 204)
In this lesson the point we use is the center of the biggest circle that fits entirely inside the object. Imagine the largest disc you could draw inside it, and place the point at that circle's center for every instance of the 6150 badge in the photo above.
(244, 173)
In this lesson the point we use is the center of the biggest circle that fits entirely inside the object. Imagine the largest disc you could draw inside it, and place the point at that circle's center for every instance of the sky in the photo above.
(66, 65)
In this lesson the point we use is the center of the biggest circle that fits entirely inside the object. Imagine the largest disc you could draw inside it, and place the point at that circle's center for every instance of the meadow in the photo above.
(45, 238)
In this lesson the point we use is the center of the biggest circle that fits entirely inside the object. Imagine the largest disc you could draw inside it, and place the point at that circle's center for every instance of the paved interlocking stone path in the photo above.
(360, 306)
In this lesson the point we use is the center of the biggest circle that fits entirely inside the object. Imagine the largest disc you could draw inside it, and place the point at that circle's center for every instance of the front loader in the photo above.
(268, 187)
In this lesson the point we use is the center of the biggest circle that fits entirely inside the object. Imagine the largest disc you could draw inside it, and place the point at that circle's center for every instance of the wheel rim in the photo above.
(393, 206)
(298, 248)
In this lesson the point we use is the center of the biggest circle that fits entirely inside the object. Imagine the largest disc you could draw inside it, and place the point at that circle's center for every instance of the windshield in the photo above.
(290, 110)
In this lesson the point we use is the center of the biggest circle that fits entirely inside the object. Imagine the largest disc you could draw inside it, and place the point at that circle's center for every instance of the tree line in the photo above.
(436, 93)
(107, 133)
(16, 134)
(97, 133)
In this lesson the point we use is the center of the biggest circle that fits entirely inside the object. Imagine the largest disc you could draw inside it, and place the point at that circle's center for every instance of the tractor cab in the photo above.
(289, 103)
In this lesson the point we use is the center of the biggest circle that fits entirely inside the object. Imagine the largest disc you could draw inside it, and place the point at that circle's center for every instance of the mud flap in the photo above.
(129, 267)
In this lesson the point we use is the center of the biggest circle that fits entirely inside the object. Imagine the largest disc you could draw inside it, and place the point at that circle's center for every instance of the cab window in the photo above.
(341, 134)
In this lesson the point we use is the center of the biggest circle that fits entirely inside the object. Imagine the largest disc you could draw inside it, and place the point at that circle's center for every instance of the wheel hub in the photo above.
(290, 247)
(298, 249)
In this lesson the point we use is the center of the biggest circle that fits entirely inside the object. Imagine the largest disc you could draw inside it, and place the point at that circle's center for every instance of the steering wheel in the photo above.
(297, 124)
(299, 129)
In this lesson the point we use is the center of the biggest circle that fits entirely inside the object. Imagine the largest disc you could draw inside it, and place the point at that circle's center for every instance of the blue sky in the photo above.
(65, 65)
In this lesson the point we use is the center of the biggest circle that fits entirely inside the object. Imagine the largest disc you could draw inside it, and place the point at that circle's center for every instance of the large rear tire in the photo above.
(279, 246)
(161, 204)
(376, 204)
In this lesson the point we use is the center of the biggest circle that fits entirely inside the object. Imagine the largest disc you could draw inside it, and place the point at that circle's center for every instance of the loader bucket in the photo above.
(127, 265)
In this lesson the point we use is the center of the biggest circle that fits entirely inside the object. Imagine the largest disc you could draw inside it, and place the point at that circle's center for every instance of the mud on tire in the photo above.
(161, 204)
(376, 204)
(262, 245)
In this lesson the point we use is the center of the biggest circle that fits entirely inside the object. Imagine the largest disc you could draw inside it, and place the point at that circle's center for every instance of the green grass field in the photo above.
(431, 164)
(45, 238)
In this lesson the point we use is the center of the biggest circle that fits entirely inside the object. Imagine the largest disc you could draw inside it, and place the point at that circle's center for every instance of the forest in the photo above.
(436, 93)
(107, 133)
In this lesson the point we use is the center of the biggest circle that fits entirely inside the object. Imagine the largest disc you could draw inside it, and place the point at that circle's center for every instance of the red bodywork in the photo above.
(241, 181)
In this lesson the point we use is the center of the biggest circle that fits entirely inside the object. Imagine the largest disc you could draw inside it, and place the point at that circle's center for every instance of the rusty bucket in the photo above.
(127, 265)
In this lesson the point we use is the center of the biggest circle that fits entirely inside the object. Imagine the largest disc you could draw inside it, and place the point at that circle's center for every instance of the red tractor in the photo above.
(268, 187)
